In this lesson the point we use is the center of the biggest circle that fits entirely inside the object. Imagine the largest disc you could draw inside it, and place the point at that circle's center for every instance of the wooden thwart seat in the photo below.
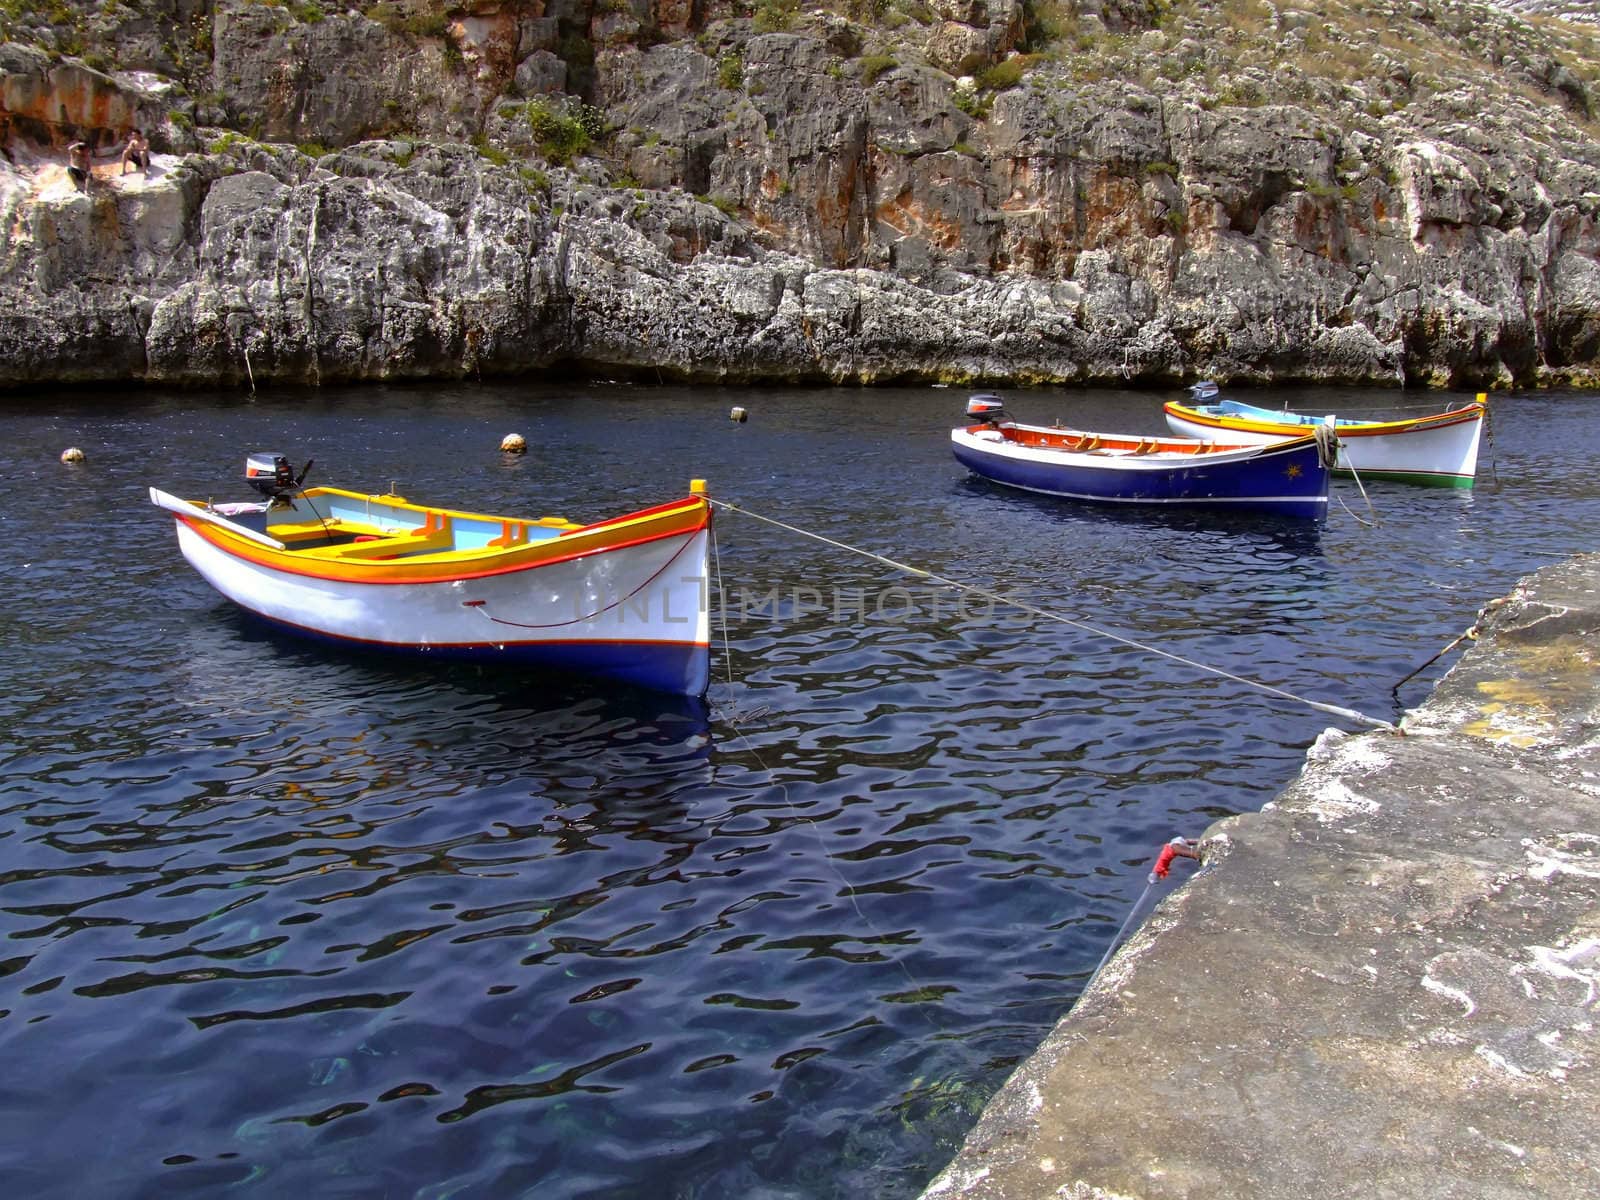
(291, 532)
(416, 542)
(431, 537)
(512, 533)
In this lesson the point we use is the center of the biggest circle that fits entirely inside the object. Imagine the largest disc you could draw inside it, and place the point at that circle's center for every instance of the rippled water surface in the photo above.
(275, 922)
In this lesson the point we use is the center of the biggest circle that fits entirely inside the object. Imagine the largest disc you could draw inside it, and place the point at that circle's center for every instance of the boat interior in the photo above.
(1101, 444)
(332, 523)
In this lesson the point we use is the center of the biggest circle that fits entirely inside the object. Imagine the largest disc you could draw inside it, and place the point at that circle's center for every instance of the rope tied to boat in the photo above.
(1327, 445)
(482, 606)
(1348, 714)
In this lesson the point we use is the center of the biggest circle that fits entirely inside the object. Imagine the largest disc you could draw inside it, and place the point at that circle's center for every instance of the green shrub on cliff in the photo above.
(226, 142)
(490, 152)
(559, 136)
(775, 16)
(397, 19)
(1045, 23)
(874, 65)
(974, 103)
(1005, 74)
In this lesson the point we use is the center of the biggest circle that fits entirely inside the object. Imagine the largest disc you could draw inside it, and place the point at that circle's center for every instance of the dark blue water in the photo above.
(273, 921)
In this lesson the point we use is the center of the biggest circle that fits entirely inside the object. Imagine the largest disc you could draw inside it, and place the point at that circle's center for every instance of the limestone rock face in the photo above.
(684, 190)
(51, 103)
(973, 34)
(346, 77)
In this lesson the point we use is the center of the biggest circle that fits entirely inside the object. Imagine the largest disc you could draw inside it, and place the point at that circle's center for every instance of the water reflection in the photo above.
(1292, 535)
(272, 918)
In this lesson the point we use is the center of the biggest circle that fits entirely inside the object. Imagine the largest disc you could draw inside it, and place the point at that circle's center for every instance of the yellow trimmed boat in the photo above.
(621, 599)
(1440, 450)
(1288, 477)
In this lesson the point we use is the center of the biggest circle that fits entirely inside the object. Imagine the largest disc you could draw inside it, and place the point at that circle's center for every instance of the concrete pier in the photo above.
(1385, 984)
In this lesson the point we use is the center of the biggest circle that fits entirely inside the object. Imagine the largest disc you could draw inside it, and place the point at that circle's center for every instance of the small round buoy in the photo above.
(738, 414)
(72, 455)
(513, 443)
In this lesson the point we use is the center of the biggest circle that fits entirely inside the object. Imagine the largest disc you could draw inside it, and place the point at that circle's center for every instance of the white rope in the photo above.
(849, 890)
(1348, 714)
(722, 608)
(1117, 941)
(1362, 488)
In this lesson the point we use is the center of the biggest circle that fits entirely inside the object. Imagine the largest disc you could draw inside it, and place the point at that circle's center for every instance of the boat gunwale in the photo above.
(1199, 452)
(680, 518)
(1396, 428)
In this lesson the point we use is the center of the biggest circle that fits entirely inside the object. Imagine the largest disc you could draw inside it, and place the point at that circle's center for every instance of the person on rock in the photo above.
(136, 152)
(80, 162)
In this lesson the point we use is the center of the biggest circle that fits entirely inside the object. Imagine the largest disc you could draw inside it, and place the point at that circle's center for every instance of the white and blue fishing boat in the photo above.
(1440, 449)
(1288, 476)
(620, 599)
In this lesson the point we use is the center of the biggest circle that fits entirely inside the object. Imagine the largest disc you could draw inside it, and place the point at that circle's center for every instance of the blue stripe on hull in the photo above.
(1261, 484)
(680, 668)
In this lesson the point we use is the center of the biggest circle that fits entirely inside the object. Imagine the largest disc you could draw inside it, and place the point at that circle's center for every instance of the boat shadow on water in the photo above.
(1295, 535)
(226, 636)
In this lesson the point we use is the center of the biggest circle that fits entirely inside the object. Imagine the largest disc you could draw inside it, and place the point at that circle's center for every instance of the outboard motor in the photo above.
(1203, 392)
(987, 409)
(274, 478)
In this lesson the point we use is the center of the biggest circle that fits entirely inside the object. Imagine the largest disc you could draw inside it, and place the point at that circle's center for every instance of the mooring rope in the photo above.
(1362, 488)
(1348, 714)
(1488, 437)
(727, 648)
(734, 718)
(482, 606)
(1471, 633)
(1117, 941)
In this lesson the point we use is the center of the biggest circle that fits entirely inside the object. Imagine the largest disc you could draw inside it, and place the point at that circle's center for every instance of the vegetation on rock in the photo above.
(1371, 190)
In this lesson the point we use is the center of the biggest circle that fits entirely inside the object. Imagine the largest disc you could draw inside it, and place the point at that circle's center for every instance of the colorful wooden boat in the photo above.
(1288, 477)
(621, 599)
(1440, 449)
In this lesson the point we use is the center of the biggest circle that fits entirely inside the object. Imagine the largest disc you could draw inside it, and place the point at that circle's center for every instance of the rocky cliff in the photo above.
(1026, 191)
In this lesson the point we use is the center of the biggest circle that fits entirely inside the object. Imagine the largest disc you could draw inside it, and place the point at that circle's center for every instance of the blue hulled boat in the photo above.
(1289, 476)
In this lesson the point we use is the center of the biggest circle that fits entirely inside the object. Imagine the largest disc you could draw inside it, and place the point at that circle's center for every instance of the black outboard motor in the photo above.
(272, 476)
(987, 409)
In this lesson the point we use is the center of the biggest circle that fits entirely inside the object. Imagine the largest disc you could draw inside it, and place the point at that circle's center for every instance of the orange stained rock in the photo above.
(908, 216)
(675, 18)
(1110, 209)
(70, 99)
(491, 37)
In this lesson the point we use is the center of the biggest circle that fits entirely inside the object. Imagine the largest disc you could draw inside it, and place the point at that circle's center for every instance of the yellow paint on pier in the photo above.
(1550, 679)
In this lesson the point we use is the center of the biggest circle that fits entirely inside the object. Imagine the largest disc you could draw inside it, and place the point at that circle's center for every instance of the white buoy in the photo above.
(738, 414)
(513, 443)
(72, 455)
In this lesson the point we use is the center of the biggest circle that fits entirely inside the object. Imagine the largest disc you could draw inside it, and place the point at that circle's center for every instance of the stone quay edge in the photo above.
(1384, 984)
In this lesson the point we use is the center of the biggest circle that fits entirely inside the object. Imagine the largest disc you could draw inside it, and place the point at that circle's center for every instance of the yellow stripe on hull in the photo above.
(429, 551)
